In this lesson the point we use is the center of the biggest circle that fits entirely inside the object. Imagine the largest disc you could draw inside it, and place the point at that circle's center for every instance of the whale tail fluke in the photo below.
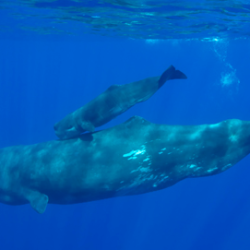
(170, 74)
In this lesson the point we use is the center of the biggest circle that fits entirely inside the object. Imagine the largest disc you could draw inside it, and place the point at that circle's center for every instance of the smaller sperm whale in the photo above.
(114, 101)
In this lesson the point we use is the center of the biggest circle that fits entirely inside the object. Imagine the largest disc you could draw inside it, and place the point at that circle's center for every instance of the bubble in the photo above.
(228, 75)
(229, 78)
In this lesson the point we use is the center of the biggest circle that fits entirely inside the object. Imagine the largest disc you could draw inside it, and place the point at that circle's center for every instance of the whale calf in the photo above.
(132, 158)
(113, 102)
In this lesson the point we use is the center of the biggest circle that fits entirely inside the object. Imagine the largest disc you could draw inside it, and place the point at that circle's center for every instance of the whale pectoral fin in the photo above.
(88, 126)
(37, 200)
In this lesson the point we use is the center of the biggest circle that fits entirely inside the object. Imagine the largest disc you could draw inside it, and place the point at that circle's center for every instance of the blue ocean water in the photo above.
(45, 75)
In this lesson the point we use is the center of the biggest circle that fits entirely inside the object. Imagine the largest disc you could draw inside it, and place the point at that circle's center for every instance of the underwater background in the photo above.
(50, 68)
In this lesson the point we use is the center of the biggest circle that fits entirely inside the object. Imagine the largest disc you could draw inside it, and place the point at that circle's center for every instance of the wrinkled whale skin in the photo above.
(132, 158)
(114, 101)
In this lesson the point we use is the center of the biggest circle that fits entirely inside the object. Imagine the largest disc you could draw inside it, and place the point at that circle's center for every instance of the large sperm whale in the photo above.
(114, 101)
(132, 158)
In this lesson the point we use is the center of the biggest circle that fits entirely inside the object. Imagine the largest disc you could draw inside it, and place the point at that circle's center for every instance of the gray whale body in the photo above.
(132, 158)
(114, 101)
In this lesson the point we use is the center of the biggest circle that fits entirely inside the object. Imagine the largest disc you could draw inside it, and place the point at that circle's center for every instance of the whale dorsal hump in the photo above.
(136, 121)
(113, 87)
(38, 201)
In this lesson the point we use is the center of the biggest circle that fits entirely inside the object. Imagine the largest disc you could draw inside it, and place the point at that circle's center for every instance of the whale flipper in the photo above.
(38, 201)
(170, 74)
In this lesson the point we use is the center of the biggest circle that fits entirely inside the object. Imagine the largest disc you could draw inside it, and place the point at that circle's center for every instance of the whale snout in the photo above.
(56, 127)
(58, 130)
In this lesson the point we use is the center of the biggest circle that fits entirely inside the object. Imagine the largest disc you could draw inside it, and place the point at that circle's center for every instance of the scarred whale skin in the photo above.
(135, 157)
(114, 101)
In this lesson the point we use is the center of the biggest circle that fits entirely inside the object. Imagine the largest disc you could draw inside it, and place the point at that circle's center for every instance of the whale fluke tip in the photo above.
(170, 74)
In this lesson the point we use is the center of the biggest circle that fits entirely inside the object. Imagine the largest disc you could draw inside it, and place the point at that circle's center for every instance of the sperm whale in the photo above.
(132, 158)
(114, 101)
